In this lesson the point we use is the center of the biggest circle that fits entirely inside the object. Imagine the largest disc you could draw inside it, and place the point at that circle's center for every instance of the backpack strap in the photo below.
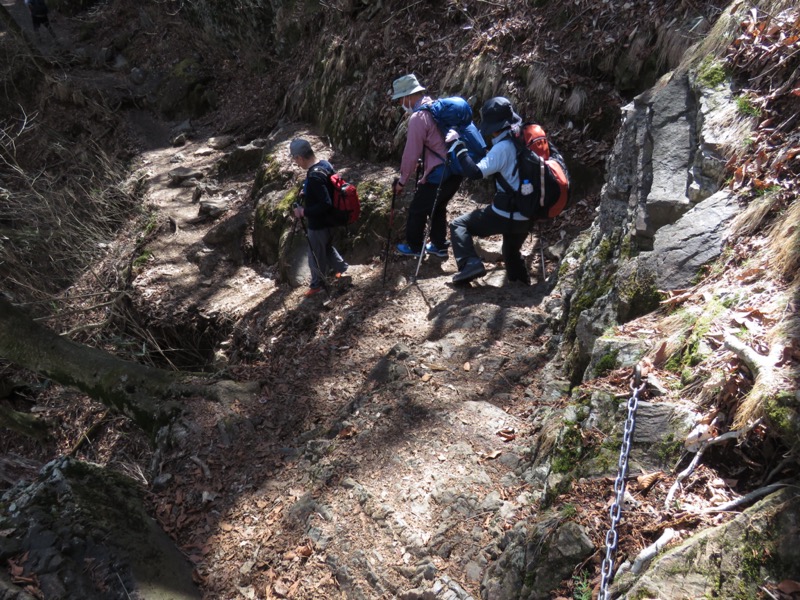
(318, 169)
(504, 184)
(428, 108)
(502, 180)
(542, 167)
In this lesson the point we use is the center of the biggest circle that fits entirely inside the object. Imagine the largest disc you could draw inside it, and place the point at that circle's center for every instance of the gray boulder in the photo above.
(101, 543)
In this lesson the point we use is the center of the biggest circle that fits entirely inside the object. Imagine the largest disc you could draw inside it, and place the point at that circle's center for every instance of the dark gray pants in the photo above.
(321, 250)
(484, 222)
(421, 208)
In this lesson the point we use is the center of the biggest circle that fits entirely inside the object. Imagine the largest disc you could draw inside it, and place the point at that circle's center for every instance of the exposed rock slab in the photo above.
(697, 238)
(101, 523)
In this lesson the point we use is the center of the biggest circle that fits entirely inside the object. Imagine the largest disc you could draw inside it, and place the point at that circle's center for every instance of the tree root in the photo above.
(746, 499)
(647, 554)
(738, 434)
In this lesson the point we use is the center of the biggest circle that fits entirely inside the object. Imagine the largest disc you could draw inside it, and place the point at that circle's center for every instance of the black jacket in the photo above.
(317, 196)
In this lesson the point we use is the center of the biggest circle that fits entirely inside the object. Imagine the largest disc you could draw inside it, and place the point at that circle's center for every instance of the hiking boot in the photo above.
(406, 250)
(523, 280)
(430, 248)
(312, 291)
(472, 270)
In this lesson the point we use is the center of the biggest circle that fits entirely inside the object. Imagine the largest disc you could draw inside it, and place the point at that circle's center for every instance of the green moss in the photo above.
(711, 72)
(267, 215)
(730, 301)
(605, 249)
(151, 223)
(626, 247)
(530, 578)
(693, 351)
(584, 301)
(607, 363)
(269, 176)
(759, 560)
(374, 192)
(569, 450)
(782, 412)
(668, 449)
(644, 594)
(292, 196)
(568, 511)
(142, 258)
(745, 106)
(639, 294)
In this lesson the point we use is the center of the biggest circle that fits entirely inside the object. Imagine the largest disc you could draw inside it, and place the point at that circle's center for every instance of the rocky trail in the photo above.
(398, 438)
(382, 450)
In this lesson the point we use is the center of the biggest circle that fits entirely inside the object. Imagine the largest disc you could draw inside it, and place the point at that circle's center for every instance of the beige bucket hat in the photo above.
(405, 86)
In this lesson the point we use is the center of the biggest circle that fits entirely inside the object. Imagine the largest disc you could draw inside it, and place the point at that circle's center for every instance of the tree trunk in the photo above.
(24, 423)
(138, 391)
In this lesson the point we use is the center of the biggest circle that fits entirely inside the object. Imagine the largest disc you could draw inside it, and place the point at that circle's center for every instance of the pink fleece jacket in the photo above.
(423, 134)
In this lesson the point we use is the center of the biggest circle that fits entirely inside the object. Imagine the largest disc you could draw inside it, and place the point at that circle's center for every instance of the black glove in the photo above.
(457, 148)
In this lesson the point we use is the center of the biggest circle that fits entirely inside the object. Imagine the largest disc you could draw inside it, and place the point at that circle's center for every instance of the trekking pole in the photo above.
(541, 249)
(389, 235)
(313, 254)
(429, 222)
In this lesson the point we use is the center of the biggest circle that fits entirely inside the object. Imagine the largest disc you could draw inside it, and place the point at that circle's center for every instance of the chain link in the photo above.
(607, 569)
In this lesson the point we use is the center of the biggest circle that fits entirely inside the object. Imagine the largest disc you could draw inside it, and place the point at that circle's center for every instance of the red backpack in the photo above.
(344, 195)
(345, 198)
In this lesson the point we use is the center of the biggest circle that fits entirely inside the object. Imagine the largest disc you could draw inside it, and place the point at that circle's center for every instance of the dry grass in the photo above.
(675, 330)
(59, 207)
(775, 376)
(576, 101)
(772, 378)
(541, 92)
(727, 27)
(784, 244)
(751, 219)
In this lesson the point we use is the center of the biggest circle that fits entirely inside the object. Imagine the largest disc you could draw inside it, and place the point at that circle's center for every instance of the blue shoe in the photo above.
(406, 250)
(436, 251)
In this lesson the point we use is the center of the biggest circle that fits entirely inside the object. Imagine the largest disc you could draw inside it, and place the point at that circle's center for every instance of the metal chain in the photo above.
(607, 569)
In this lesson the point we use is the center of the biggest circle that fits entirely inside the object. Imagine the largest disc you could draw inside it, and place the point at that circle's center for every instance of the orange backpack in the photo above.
(535, 140)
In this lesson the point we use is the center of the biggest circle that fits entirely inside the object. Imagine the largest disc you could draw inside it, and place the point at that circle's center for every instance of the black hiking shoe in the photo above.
(472, 270)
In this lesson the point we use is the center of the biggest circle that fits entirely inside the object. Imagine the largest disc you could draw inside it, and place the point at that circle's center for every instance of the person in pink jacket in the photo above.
(435, 186)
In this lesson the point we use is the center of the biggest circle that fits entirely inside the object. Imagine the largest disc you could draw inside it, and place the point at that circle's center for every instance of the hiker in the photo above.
(497, 119)
(318, 209)
(424, 141)
(39, 16)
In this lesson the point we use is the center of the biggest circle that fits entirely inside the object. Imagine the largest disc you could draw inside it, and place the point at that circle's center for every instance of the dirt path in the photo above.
(384, 451)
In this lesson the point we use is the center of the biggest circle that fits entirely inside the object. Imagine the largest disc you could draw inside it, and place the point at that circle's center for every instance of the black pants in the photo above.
(420, 210)
(484, 222)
